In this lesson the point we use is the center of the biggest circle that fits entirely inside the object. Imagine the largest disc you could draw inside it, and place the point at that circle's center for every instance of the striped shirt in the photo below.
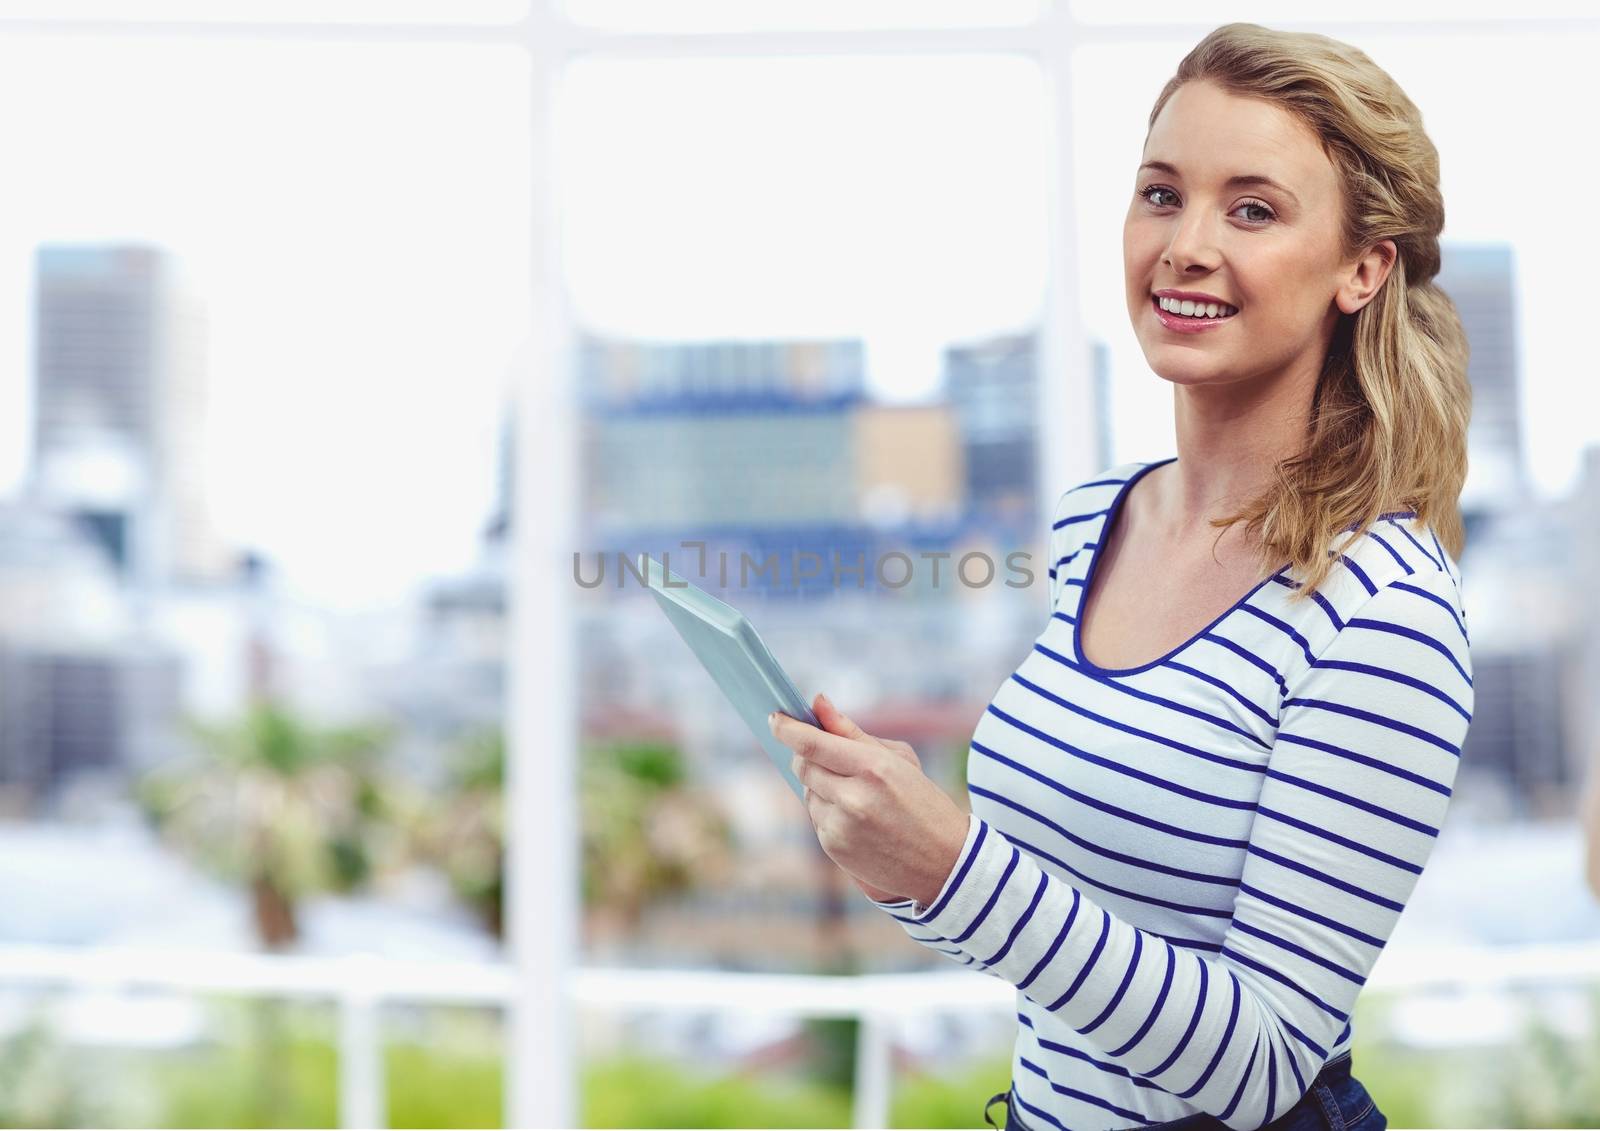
(1188, 868)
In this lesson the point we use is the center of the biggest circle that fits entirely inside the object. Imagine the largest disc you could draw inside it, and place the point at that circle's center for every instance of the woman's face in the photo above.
(1271, 251)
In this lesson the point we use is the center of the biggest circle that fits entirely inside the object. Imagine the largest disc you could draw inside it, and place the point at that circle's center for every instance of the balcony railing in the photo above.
(359, 985)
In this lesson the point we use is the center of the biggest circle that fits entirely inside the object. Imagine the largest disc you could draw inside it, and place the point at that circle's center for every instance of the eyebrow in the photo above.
(1241, 180)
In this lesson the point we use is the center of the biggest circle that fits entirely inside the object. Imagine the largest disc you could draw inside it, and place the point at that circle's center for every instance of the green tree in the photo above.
(647, 830)
(285, 809)
(464, 832)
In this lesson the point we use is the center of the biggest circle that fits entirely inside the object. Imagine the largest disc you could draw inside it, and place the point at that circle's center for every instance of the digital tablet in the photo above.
(731, 650)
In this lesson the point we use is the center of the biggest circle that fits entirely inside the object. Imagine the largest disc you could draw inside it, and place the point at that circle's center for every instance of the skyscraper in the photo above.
(120, 408)
(992, 385)
(1480, 280)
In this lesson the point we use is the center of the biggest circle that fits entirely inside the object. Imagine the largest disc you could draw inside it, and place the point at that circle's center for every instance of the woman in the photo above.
(1201, 802)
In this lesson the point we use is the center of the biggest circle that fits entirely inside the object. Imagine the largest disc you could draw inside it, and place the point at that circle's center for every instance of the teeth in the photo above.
(1190, 309)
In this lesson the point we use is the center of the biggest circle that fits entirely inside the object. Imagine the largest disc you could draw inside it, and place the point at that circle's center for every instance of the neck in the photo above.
(1230, 437)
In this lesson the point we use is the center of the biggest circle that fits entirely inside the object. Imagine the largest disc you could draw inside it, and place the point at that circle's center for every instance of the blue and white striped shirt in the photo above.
(1188, 868)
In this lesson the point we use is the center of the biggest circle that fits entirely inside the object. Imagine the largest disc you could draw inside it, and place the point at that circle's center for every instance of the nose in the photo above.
(1191, 247)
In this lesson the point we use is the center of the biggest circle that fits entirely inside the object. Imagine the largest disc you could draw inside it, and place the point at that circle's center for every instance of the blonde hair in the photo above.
(1389, 416)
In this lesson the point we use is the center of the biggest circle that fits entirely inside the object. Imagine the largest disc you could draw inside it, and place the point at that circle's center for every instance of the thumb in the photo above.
(835, 721)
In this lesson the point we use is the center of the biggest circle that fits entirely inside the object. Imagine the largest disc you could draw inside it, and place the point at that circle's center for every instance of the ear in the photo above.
(1367, 276)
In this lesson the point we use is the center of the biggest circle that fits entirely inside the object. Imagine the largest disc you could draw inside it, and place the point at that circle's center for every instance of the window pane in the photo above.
(764, 15)
(257, 308)
(257, 301)
(896, 199)
(807, 295)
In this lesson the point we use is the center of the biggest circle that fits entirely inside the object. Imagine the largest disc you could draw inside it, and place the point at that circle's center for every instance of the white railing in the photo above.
(360, 985)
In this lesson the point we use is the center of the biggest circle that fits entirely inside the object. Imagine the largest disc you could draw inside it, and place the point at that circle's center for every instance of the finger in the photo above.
(846, 756)
(836, 721)
(821, 783)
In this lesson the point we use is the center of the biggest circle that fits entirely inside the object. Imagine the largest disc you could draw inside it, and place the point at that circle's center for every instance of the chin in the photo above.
(1184, 371)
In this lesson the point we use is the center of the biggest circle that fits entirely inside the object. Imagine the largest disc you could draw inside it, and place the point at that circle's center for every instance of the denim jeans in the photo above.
(1336, 1101)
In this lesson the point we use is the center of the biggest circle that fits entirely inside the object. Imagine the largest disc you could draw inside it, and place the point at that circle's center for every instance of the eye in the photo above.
(1149, 191)
(1270, 214)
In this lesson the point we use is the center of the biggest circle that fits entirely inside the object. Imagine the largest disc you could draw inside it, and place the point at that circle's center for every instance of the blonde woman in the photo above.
(1202, 800)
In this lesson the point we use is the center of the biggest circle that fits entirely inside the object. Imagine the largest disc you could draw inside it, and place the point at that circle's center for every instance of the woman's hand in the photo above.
(876, 814)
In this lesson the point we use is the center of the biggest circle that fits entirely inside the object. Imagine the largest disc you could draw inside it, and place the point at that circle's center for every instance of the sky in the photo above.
(363, 245)
(363, 257)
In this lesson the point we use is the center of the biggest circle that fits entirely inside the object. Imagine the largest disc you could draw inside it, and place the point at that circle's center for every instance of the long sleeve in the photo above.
(907, 911)
(1356, 785)
(904, 910)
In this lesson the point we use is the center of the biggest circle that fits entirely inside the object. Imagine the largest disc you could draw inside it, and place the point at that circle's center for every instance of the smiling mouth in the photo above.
(1196, 319)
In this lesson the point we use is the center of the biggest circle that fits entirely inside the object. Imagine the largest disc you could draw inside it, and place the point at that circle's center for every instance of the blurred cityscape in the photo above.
(134, 638)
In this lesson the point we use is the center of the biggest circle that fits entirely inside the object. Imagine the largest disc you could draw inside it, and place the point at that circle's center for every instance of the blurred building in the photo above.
(1523, 755)
(707, 375)
(1532, 618)
(688, 437)
(65, 712)
(122, 606)
(910, 464)
(1581, 513)
(1481, 281)
(120, 406)
(993, 387)
(1517, 757)
(81, 691)
(691, 473)
(750, 446)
